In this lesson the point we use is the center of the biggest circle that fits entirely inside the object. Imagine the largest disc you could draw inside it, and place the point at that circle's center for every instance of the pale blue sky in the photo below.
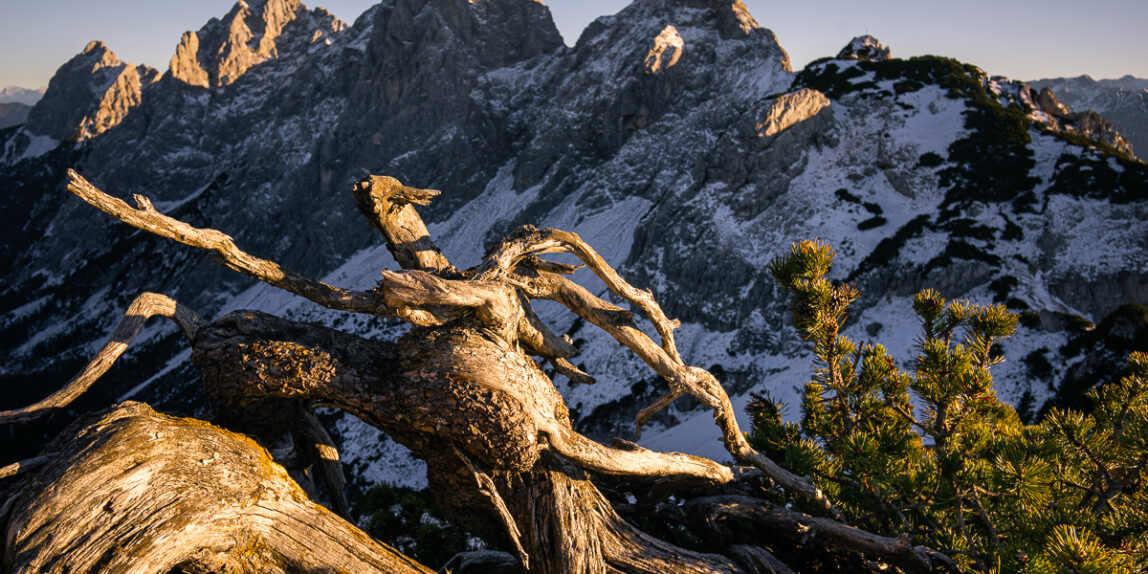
(1022, 39)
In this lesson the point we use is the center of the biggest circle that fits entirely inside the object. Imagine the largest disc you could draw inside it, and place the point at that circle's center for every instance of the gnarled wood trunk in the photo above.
(131, 490)
(461, 390)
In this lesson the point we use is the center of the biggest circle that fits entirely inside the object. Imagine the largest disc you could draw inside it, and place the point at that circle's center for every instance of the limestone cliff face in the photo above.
(790, 109)
(1122, 101)
(89, 95)
(251, 33)
(1096, 127)
(1050, 104)
(1047, 108)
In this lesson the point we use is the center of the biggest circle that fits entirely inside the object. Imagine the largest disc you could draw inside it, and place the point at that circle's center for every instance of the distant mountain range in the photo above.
(674, 137)
(18, 95)
(15, 103)
(1124, 102)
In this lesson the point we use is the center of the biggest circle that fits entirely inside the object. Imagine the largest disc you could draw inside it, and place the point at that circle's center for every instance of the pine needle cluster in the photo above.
(931, 452)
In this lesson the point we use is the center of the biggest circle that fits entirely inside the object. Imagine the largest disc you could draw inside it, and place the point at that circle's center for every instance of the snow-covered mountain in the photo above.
(15, 103)
(20, 95)
(1123, 101)
(674, 137)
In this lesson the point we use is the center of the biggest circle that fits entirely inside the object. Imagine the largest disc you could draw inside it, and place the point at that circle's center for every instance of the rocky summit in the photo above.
(89, 95)
(673, 136)
(1123, 102)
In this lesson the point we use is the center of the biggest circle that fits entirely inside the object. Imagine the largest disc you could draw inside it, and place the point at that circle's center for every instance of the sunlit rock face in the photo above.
(1123, 101)
(89, 95)
(666, 51)
(251, 33)
(1050, 104)
(790, 109)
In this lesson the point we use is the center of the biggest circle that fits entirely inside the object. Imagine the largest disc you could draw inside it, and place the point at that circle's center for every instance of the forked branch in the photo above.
(145, 217)
(683, 379)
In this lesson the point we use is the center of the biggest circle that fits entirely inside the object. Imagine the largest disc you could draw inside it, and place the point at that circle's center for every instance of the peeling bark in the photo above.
(137, 491)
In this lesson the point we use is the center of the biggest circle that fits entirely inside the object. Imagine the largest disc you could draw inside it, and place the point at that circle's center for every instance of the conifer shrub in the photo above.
(1094, 175)
(844, 195)
(872, 222)
(928, 449)
(411, 522)
(833, 79)
(930, 159)
(889, 247)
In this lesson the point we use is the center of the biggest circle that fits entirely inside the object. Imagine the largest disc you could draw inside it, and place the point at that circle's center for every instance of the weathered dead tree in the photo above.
(462, 391)
(132, 490)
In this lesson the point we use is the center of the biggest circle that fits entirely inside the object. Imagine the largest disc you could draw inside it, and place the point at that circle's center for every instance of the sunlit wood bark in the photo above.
(136, 491)
(461, 389)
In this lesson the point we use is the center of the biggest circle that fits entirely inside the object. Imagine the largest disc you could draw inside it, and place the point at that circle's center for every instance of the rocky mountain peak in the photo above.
(17, 94)
(658, 31)
(251, 33)
(88, 95)
(734, 17)
(98, 55)
(1050, 104)
(1124, 102)
(866, 48)
(496, 32)
(1046, 108)
(731, 17)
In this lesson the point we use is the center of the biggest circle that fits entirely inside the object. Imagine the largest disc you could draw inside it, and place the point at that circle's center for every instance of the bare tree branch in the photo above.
(387, 204)
(824, 531)
(144, 307)
(683, 379)
(22, 466)
(146, 217)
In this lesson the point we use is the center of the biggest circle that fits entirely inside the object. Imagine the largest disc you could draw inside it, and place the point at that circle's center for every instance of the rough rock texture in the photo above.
(1050, 104)
(1047, 109)
(89, 95)
(866, 48)
(1123, 101)
(250, 34)
(790, 109)
(1095, 127)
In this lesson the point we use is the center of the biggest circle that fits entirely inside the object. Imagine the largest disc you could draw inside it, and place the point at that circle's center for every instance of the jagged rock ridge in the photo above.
(19, 95)
(674, 136)
(250, 34)
(1123, 101)
(89, 95)
(866, 48)
(1089, 124)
